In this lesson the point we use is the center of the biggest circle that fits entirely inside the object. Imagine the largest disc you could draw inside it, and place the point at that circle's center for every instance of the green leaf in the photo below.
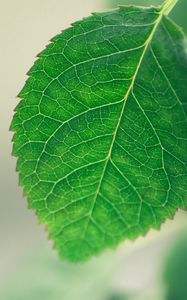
(115, 3)
(178, 14)
(100, 132)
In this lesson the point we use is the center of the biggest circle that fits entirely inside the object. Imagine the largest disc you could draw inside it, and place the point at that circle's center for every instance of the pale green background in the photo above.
(29, 269)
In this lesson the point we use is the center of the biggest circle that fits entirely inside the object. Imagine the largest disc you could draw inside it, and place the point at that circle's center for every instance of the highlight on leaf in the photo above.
(100, 131)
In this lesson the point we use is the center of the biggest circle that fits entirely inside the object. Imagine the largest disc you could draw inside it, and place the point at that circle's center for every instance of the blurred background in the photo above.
(154, 267)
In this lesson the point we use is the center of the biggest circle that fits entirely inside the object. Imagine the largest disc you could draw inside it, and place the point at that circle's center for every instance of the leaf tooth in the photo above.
(50, 42)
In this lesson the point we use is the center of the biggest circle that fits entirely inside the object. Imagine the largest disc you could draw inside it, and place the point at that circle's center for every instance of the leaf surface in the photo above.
(100, 131)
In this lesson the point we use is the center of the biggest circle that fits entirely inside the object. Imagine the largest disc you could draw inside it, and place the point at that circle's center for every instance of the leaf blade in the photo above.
(91, 160)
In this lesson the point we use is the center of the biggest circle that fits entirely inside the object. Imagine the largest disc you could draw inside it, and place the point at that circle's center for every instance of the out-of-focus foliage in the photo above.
(118, 297)
(176, 271)
(43, 277)
(178, 14)
(114, 3)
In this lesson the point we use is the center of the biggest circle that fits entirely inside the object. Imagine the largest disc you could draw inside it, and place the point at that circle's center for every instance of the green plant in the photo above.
(100, 131)
(178, 14)
(175, 273)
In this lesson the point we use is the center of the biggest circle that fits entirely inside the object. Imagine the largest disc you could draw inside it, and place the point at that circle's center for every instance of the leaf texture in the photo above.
(100, 131)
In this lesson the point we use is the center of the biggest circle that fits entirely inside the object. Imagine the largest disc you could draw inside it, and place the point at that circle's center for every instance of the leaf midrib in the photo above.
(147, 43)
